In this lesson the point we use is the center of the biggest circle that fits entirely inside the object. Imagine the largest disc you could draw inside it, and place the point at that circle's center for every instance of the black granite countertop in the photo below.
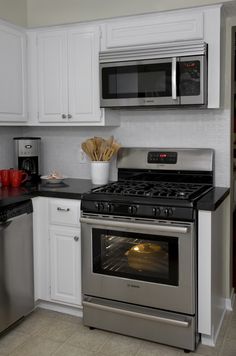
(71, 189)
(74, 188)
(212, 199)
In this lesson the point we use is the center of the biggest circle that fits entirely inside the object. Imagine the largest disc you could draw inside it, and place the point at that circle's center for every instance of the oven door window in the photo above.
(137, 81)
(136, 256)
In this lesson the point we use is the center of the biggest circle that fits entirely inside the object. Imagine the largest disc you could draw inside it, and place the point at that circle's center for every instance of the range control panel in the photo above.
(137, 210)
(162, 157)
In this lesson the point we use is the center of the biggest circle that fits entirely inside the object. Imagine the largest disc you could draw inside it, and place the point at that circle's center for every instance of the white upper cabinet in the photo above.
(64, 77)
(154, 28)
(68, 75)
(12, 75)
(83, 75)
(52, 78)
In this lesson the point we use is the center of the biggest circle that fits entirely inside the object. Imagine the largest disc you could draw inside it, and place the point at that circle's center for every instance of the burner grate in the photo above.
(170, 190)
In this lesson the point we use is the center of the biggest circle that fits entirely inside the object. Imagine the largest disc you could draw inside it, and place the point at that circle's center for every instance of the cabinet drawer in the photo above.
(64, 212)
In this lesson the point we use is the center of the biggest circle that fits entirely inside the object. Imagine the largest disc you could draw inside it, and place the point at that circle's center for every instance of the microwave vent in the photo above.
(176, 49)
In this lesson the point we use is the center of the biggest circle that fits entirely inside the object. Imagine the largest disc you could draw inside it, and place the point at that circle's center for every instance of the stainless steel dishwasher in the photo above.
(16, 263)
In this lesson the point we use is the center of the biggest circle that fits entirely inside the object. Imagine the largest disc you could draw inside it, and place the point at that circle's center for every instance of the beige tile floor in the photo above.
(46, 333)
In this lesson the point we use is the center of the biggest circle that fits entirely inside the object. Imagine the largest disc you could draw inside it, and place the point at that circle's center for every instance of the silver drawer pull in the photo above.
(62, 209)
(76, 238)
(160, 319)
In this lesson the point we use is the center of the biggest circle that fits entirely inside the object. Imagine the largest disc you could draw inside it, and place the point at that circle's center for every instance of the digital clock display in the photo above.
(162, 157)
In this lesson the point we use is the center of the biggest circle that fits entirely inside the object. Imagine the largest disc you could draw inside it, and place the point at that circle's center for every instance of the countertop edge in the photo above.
(212, 200)
(75, 188)
(72, 189)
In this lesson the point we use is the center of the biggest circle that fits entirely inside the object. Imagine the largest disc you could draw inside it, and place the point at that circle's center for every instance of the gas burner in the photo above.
(152, 189)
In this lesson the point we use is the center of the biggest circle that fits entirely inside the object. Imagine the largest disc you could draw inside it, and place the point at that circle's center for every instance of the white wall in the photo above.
(53, 12)
(14, 11)
(154, 128)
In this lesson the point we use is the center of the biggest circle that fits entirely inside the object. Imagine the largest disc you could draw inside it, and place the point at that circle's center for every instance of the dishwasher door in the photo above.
(16, 269)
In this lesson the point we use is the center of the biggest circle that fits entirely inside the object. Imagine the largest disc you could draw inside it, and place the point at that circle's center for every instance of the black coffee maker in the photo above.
(27, 156)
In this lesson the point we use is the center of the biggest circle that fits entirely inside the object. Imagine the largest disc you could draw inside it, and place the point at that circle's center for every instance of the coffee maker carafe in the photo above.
(27, 156)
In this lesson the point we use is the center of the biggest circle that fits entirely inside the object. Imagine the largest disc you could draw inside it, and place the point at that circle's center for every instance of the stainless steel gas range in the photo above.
(139, 245)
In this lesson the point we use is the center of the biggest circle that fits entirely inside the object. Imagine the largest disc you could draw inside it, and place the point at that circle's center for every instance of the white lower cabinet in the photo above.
(57, 251)
(65, 268)
(213, 255)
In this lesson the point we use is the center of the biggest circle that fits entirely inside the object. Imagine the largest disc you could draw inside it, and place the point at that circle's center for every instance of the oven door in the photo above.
(148, 263)
(139, 83)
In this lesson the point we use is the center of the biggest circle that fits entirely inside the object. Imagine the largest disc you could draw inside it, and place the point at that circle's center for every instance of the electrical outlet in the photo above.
(83, 157)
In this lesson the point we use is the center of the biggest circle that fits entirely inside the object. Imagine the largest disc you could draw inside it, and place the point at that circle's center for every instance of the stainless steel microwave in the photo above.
(161, 82)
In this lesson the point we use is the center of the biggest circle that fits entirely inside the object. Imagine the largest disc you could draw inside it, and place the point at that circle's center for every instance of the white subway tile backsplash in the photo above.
(154, 128)
(6, 145)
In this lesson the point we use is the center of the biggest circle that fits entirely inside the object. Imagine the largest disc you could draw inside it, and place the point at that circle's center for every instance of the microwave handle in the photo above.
(174, 78)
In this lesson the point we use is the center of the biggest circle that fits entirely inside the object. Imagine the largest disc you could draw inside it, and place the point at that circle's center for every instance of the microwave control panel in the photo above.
(162, 157)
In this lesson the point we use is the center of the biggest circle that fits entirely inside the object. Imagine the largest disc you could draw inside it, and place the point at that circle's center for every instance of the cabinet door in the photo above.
(12, 75)
(83, 66)
(52, 76)
(153, 29)
(65, 256)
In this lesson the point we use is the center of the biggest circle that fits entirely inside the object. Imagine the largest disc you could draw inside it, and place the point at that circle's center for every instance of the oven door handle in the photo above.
(174, 322)
(131, 225)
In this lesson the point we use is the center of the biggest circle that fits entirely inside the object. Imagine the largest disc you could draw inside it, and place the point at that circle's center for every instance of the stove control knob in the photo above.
(156, 211)
(99, 206)
(168, 212)
(132, 209)
(110, 208)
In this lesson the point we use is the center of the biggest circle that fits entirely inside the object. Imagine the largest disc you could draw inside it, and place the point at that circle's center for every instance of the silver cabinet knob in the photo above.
(76, 238)
(69, 116)
(63, 116)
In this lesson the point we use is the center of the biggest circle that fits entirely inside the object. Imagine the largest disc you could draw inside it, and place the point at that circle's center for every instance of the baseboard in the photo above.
(207, 340)
(210, 340)
(75, 311)
(219, 327)
(229, 302)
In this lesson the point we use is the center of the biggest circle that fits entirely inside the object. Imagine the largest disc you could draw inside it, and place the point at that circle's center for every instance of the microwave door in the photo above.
(139, 83)
(192, 80)
(158, 80)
